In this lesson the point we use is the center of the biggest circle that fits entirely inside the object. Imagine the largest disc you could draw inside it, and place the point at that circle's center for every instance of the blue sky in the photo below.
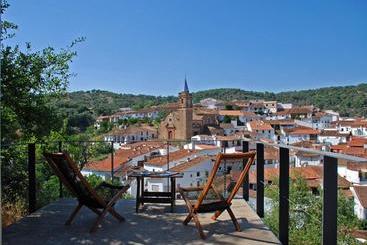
(148, 46)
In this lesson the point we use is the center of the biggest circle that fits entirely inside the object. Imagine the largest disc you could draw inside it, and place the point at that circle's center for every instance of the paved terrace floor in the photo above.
(153, 225)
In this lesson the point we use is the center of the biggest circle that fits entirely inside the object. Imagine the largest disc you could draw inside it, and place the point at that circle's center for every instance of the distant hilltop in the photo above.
(347, 100)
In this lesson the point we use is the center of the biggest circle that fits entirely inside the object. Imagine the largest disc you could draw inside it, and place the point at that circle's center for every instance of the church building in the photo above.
(178, 124)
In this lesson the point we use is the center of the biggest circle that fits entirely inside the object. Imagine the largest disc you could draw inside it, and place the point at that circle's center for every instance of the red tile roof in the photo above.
(357, 142)
(191, 163)
(356, 166)
(312, 174)
(123, 155)
(361, 192)
(301, 131)
(280, 122)
(173, 156)
(236, 113)
(260, 125)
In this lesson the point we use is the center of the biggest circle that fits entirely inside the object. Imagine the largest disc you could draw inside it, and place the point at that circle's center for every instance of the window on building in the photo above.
(206, 173)
(197, 174)
(363, 175)
(197, 183)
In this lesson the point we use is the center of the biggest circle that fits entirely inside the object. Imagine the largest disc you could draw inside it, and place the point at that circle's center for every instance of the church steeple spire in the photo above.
(186, 88)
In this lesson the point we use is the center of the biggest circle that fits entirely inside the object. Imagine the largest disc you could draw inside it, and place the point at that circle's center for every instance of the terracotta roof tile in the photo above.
(356, 166)
(260, 125)
(361, 192)
(191, 163)
(124, 155)
(301, 131)
(236, 113)
(173, 156)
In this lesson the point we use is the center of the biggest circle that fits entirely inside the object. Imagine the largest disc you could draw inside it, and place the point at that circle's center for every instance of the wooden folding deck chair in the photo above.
(66, 169)
(220, 204)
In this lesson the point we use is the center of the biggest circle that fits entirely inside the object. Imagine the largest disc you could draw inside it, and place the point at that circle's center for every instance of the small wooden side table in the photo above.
(143, 196)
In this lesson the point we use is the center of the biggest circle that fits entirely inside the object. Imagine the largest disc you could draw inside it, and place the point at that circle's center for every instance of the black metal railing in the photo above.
(330, 186)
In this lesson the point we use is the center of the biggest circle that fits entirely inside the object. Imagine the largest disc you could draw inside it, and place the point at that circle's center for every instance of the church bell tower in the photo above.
(185, 113)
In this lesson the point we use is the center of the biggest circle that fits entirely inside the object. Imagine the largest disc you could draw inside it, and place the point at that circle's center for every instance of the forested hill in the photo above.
(86, 105)
(348, 100)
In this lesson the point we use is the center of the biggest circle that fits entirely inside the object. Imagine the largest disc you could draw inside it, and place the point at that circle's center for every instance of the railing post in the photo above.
(260, 179)
(61, 194)
(167, 164)
(225, 170)
(32, 177)
(330, 201)
(283, 195)
(112, 163)
(245, 185)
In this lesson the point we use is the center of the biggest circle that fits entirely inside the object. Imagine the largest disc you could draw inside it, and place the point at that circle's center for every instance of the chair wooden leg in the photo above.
(217, 214)
(73, 214)
(234, 220)
(99, 219)
(198, 226)
(116, 215)
(188, 219)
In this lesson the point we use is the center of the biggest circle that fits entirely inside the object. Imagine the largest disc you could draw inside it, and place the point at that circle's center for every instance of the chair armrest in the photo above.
(188, 189)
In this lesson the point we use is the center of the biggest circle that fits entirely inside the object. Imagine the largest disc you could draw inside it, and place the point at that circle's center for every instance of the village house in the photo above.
(356, 146)
(298, 134)
(261, 106)
(131, 133)
(357, 127)
(318, 120)
(237, 118)
(211, 103)
(304, 159)
(175, 159)
(127, 156)
(313, 175)
(360, 201)
(202, 119)
(151, 113)
(195, 171)
(261, 129)
(283, 106)
(354, 172)
(332, 137)
(228, 128)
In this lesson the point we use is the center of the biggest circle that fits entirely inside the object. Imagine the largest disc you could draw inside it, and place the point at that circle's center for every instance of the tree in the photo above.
(29, 79)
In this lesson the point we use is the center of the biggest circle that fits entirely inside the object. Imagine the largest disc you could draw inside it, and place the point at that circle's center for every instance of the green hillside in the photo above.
(82, 107)
(348, 100)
